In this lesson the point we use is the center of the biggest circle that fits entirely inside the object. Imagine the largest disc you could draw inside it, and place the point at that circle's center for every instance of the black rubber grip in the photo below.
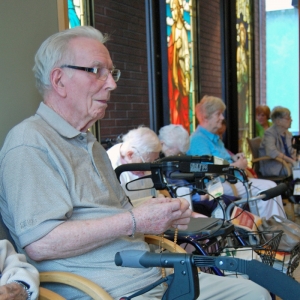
(274, 192)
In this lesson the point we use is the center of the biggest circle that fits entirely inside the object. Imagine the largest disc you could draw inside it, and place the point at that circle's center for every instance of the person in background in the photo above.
(139, 145)
(19, 279)
(262, 119)
(175, 140)
(60, 197)
(249, 171)
(221, 131)
(277, 143)
(206, 141)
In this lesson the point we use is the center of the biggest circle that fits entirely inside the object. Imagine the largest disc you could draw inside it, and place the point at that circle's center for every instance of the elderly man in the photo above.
(206, 141)
(60, 197)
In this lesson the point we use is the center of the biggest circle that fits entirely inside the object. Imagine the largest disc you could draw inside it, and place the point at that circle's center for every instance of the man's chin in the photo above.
(101, 114)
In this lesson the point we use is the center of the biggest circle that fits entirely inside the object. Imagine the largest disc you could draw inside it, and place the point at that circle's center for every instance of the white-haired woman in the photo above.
(174, 139)
(139, 145)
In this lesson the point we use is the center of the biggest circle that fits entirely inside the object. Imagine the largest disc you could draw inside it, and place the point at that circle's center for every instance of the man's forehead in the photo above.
(90, 50)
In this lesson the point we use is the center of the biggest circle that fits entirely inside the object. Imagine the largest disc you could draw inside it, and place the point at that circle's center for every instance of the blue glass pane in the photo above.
(73, 18)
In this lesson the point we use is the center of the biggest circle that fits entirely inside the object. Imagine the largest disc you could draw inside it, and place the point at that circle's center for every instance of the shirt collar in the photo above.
(56, 121)
(212, 136)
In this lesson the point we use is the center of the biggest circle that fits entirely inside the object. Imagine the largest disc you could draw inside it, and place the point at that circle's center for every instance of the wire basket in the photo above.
(287, 262)
(260, 245)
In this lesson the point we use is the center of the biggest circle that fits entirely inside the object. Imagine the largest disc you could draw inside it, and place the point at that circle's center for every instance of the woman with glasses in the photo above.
(277, 143)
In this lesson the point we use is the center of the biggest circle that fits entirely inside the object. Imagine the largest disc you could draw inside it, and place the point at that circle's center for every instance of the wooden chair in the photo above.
(87, 286)
(45, 294)
(254, 145)
(166, 244)
(74, 280)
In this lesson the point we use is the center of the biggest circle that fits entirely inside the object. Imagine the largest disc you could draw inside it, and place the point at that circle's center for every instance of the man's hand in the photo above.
(159, 214)
(198, 215)
(12, 291)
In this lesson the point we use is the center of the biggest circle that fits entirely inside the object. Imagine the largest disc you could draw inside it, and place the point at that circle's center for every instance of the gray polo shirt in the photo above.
(51, 173)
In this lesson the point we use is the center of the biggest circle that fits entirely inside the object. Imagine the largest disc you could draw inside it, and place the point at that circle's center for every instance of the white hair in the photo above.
(176, 137)
(55, 51)
(279, 112)
(141, 140)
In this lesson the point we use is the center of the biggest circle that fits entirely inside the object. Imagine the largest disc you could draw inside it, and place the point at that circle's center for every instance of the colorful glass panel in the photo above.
(244, 71)
(180, 20)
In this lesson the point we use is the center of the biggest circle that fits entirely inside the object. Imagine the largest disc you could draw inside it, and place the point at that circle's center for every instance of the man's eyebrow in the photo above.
(102, 65)
(99, 64)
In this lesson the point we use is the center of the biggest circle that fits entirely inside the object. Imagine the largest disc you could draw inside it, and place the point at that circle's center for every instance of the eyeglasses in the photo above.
(287, 118)
(101, 73)
(139, 154)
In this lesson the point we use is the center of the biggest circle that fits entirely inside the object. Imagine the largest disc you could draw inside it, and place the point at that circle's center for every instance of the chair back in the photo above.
(254, 146)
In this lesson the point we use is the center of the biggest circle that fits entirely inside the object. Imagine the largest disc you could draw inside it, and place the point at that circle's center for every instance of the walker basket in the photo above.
(287, 262)
(260, 245)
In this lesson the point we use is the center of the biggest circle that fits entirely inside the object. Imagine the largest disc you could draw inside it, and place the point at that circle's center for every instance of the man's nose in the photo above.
(111, 82)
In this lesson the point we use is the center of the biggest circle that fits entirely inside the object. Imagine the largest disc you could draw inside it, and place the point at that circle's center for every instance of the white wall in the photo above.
(24, 25)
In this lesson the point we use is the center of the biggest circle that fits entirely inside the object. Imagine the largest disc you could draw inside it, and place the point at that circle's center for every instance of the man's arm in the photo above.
(73, 238)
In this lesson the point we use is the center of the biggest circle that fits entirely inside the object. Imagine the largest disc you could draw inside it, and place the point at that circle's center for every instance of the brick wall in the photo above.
(124, 21)
(210, 49)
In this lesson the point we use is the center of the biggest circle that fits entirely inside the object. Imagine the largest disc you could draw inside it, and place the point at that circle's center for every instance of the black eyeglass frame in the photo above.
(115, 73)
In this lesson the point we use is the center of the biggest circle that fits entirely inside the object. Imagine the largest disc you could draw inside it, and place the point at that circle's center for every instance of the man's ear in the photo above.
(56, 78)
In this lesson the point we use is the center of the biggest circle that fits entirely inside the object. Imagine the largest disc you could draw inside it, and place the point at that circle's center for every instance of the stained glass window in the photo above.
(180, 19)
(244, 71)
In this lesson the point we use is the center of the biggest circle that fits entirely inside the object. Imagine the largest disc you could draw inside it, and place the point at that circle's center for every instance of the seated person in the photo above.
(19, 279)
(262, 120)
(175, 140)
(59, 195)
(206, 141)
(277, 143)
(138, 146)
(221, 131)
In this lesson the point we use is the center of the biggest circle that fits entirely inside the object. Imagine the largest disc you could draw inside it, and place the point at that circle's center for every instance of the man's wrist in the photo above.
(133, 223)
(25, 286)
